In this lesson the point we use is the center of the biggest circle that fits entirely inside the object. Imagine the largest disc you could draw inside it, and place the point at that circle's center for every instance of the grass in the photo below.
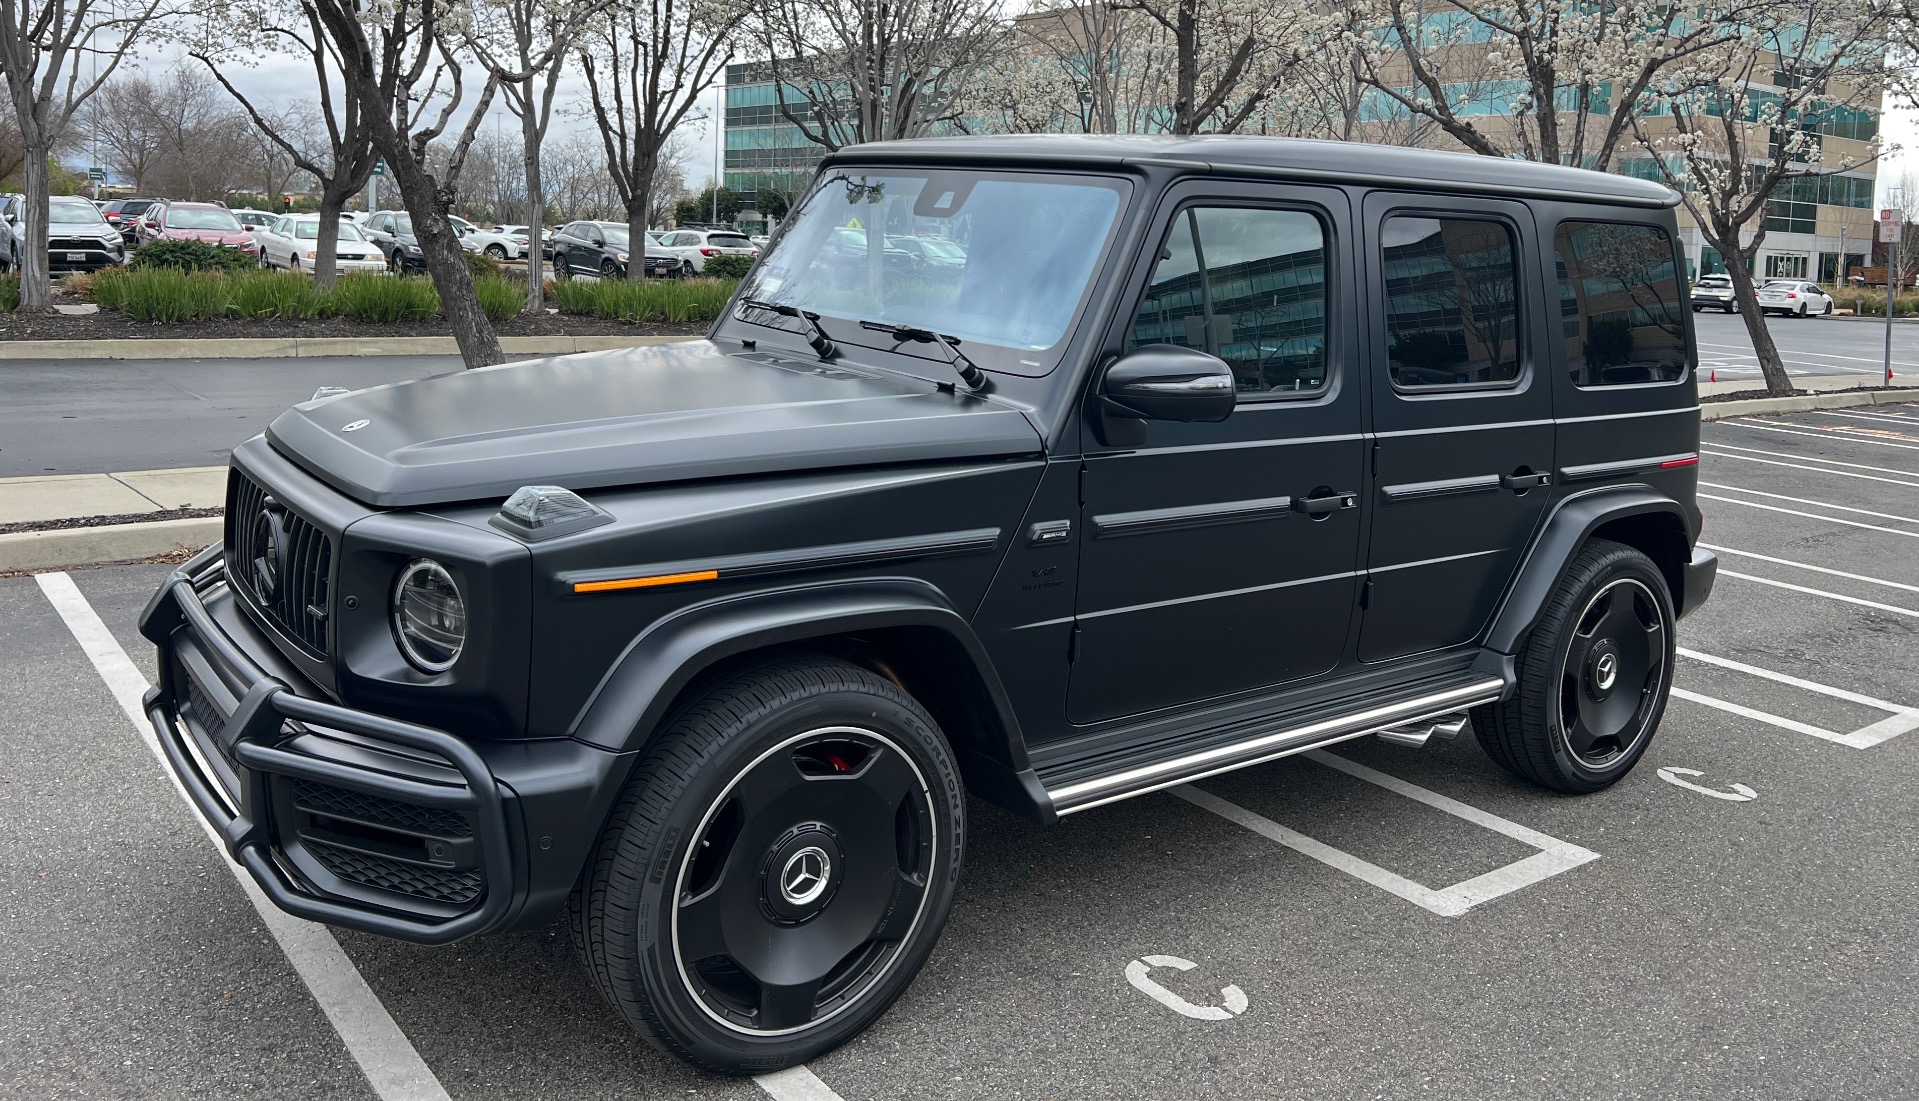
(164, 294)
(280, 294)
(652, 300)
(370, 296)
(1866, 302)
(500, 298)
(9, 292)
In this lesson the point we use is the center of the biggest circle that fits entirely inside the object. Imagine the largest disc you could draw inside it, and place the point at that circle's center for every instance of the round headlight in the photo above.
(429, 616)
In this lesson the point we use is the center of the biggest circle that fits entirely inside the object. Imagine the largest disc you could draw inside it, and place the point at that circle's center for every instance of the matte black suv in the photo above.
(1211, 451)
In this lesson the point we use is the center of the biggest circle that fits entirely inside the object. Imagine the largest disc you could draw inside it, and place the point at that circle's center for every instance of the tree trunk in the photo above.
(326, 250)
(639, 209)
(535, 212)
(445, 259)
(36, 289)
(1744, 292)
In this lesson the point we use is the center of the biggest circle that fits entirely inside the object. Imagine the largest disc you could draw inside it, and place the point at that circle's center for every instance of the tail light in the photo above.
(709, 252)
(1790, 294)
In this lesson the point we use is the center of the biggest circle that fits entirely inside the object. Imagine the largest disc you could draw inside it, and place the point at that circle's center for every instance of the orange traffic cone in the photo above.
(1713, 376)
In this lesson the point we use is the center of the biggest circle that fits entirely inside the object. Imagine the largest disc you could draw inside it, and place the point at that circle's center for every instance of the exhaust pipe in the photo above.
(1418, 734)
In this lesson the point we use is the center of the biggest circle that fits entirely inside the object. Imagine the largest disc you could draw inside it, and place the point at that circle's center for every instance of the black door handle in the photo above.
(1525, 481)
(1331, 502)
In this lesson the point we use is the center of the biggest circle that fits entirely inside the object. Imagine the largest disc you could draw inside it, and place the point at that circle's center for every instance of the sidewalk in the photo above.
(130, 515)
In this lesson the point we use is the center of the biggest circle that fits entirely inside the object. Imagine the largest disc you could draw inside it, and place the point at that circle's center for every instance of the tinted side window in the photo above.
(1247, 285)
(1451, 301)
(1620, 304)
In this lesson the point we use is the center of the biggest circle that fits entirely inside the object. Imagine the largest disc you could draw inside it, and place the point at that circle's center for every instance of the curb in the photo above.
(312, 347)
(63, 548)
(1803, 403)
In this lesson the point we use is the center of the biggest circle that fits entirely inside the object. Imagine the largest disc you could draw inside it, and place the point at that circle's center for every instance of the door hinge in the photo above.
(1072, 645)
(1365, 594)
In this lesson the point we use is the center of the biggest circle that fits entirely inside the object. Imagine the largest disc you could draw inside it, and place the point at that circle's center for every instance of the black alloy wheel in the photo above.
(395, 265)
(1594, 676)
(609, 269)
(777, 870)
(561, 269)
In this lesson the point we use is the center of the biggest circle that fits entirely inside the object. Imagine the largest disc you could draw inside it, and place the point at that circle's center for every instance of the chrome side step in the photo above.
(1417, 734)
(1422, 712)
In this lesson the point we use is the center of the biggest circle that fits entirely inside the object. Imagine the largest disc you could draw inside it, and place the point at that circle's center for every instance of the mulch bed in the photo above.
(63, 523)
(112, 325)
(1748, 395)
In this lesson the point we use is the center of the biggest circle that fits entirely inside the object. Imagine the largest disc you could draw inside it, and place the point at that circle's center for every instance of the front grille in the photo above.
(76, 244)
(299, 601)
(434, 884)
(201, 711)
(356, 806)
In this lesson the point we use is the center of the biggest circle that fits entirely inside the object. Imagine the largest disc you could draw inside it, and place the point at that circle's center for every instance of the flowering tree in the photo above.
(1770, 108)
(398, 59)
(1558, 81)
(647, 65)
(55, 54)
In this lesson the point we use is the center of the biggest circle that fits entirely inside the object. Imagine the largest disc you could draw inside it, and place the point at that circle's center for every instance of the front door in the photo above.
(1221, 558)
(1463, 415)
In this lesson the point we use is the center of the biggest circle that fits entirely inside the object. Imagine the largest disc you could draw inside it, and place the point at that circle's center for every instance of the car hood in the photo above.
(216, 236)
(629, 417)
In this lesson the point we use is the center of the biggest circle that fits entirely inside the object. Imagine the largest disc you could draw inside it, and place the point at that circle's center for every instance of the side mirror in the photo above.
(1166, 382)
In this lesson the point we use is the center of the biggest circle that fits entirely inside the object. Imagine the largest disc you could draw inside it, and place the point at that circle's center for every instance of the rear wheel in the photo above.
(561, 270)
(778, 868)
(1593, 676)
(497, 252)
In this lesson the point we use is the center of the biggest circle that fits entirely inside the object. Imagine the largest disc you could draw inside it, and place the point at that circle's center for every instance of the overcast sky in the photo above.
(288, 79)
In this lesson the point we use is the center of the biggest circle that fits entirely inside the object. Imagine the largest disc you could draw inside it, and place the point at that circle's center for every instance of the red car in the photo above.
(196, 222)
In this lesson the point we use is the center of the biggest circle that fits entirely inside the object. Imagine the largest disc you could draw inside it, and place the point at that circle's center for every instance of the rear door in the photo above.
(1203, 572)
(1462, 411)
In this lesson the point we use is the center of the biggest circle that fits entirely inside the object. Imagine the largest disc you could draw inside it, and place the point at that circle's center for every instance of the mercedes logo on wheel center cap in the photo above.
(1605, 671)
(805, 876)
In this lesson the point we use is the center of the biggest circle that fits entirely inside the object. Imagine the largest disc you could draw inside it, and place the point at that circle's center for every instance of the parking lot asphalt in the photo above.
(1735, 918)
(1810, 346)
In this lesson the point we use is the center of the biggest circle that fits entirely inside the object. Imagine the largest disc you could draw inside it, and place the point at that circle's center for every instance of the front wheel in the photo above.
(1593, 676)
(778, 868)
(686, 269)
(497, 252)
(609, 270)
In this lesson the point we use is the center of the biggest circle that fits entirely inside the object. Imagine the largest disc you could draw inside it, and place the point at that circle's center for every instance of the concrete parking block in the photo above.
(188, 487)
(64, 548)
(66, 496)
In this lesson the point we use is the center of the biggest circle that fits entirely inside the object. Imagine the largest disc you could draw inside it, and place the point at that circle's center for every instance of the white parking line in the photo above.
(1812, 501)
(1901, 720)
(1747, 350)
(1858, 416)
(796, 1084)
(1713, 453)
(1821, 434)
(388, 1059)
(1874, 604)
(1555, 856)
(1715, 548)
(1808, 458)
(1808, 515)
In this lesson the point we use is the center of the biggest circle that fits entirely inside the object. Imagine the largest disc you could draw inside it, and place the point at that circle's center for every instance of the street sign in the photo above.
(379, 167)
(1891, 222)
(96, 174)
(1889, 232)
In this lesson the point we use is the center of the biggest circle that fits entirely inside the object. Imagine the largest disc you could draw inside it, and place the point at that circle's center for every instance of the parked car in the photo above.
(694, 247)
(929, 251)
(79, 238)
(1794, 298)
(497, 243)
(124, 214)
(1714, 292)
(602, 248)
(391, 231)
(291, 243)
(1086, 519)
(255, 219)
(196, 222)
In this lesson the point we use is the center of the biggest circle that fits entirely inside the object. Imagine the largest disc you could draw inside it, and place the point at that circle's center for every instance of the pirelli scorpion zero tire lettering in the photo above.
(1593, 676)
(778, 868)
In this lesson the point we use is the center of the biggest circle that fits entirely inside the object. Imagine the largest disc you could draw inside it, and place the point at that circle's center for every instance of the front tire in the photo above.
(497, 252)
(686, 269)
(1593, 676)
(778, 868)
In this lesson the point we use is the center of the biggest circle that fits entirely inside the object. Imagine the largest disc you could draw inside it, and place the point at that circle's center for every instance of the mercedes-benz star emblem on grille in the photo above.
(269, 550)
(804, 877)
(356, 425)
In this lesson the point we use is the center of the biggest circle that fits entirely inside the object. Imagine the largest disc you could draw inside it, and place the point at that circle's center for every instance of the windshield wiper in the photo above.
(823, 345)
(968, 371)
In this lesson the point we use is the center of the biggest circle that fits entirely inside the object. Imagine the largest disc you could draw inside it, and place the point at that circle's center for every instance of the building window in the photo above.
(1786, 265)
(1829, 266)
(1452, 316)
(1623, 316)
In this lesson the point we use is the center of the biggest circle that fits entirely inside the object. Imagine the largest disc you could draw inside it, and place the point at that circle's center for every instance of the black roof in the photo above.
(1344, 161)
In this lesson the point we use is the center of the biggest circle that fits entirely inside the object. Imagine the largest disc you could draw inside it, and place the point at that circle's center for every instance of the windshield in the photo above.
(615, 235)
(189, 218)
(1715, 280)
(403, 224)
(73, 214)
(1028, 245)
(310, 231)
(728, 240)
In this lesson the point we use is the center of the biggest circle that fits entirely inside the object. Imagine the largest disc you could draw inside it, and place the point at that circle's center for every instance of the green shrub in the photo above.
(481, 266)
(190, 256)
(78, 284)
(654, 300)
(1871, 301)
(276, 294)
(9, 292)
(370, 296)
(500, 298)
(728, 266)
(164, 294)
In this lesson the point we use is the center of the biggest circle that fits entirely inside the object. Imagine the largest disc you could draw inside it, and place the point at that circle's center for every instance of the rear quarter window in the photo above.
(1620, 304)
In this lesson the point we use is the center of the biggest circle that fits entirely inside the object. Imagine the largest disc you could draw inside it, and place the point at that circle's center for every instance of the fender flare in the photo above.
(1566, 529)
(632, 699)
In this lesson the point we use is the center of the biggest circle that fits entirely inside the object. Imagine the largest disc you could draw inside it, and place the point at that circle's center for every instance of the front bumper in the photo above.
(349, 817)
(83, 259)
(1713, 300)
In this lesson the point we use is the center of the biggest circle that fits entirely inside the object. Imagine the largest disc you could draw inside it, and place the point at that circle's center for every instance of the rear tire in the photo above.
(802, 821)
(561, 270)
(497, 252)
(1593, 676)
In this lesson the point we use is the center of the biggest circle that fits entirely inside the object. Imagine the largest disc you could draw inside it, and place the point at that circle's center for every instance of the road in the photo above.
(1812, 346)
(1735, 918)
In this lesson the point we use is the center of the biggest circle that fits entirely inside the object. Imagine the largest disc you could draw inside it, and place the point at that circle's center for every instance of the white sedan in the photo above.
(1794, 298)
(694, 247)
(291, 242)
(501, 243)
